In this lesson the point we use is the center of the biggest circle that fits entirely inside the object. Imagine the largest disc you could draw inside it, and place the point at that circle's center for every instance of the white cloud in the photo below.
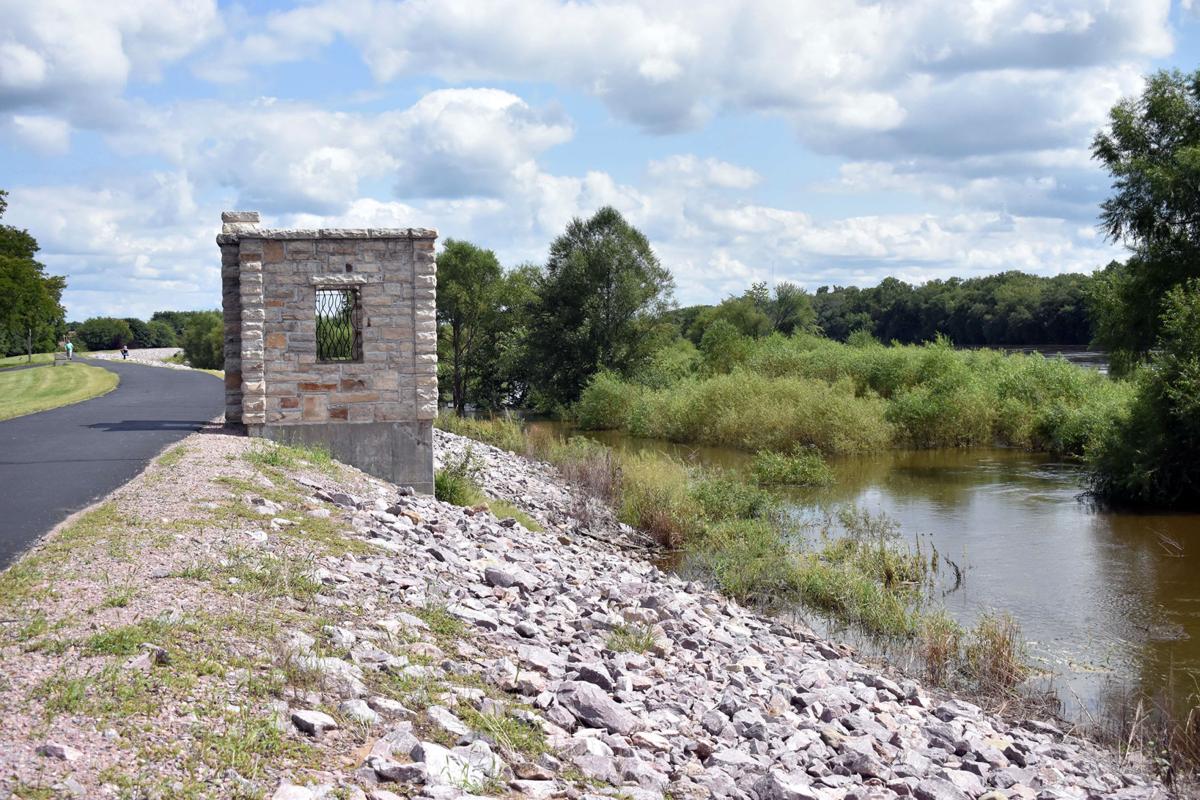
(669, 64)
(293, 156)
(76, 56)
(40, 133)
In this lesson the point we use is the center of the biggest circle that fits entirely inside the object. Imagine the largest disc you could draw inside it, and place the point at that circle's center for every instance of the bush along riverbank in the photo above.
(780, 393)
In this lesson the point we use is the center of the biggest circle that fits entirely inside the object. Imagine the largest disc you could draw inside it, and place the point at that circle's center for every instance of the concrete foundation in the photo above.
(400, 452)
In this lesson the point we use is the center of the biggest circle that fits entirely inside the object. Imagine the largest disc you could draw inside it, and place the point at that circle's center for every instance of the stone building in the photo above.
(331, 339)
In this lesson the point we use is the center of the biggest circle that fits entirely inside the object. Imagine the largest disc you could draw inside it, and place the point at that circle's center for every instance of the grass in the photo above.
(31, 576)
(173, 456)
(630, 639)
(509, 733)
(290, 457)
(29, 391)
(503, 508)
(7, 362)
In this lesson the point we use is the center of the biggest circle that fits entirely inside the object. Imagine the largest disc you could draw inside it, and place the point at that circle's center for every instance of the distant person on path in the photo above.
(124, 352)
(70, 350)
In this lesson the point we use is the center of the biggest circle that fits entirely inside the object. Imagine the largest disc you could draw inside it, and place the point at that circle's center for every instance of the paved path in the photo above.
(56, 462)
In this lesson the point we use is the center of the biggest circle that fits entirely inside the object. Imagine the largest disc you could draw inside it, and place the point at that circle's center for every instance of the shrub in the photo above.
(721, 498)
(654, 498)
(604, 403)
(1150, 455)
(804, 467)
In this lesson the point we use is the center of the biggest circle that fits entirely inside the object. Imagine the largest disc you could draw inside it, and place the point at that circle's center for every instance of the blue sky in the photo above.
(805, 140)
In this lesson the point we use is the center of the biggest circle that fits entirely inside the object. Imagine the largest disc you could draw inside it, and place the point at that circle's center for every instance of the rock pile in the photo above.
(644, 685)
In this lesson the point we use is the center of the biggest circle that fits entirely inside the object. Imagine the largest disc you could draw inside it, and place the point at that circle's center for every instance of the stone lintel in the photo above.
(245, 231)
(337, 279)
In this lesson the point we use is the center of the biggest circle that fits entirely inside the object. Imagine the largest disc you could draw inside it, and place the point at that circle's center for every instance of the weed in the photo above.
(441, 622)
(456, 481)
(172, 457)
(118, 598)
(502, 508)
(630, 639)
(126, 640)
(290, 457)
(511, 734)
(804, 467)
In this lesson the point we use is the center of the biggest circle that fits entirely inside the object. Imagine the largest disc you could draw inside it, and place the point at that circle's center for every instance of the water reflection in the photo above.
(1105, 598)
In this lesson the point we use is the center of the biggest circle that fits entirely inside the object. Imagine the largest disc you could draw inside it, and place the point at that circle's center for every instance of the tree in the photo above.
(596, 304)
(499, 361)
(467, 278)
(140, 332)
(1152, 150)
(204, 340)
(160, 334)
(104, 333)
(31, 312)
(1150, 456)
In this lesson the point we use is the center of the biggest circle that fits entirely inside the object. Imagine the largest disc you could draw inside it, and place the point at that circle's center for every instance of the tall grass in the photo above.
(837, 398)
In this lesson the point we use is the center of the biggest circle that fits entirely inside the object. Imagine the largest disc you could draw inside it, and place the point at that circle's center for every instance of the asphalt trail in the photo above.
(56, 462)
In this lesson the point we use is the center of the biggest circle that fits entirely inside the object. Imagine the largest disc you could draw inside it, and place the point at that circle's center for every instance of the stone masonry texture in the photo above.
(274, 383)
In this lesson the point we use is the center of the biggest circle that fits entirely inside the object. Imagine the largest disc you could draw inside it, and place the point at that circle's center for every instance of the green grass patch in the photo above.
(803, 467)
(630, 639)
(29, 391)
(502, 508)
(127, 640)
(289, 457)
(173, 456)
(511, 734)
(8, 362)
(441, 622)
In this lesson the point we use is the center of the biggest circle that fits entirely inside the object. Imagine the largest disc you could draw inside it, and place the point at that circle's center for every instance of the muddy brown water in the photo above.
(1108, 601)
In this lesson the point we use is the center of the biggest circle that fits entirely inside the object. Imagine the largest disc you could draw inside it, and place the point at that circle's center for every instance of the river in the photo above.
(1108, 601)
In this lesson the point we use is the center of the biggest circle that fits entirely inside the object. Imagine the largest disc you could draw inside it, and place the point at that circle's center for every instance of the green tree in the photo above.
(596, 305)
(104, 333)
(160, 334)
(140, 332)
(1151, 148)
(499, 361)
(468, 278)
(1150, 457)
(31, 312)
(204, 340)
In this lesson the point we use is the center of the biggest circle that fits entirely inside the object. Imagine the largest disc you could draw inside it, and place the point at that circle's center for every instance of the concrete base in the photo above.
(399, 452)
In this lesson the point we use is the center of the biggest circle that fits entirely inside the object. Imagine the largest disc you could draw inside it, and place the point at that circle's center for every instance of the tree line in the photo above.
(534, 336)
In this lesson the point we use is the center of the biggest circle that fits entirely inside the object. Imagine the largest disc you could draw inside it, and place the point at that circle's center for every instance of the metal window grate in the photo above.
(339, 325)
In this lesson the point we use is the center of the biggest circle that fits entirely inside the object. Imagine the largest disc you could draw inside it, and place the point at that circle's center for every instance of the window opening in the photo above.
(339, 325)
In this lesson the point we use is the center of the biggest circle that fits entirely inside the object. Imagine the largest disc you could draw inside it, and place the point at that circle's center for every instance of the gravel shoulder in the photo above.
(244, 620)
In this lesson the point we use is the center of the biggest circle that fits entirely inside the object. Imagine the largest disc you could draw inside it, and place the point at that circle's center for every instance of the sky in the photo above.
(816, 141)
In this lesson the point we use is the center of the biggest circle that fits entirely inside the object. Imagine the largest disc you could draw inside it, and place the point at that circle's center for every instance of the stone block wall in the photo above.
(375, 412)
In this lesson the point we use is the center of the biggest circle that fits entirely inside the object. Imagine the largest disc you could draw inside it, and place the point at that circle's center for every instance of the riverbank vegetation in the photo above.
(780, 393)
(851, 567)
